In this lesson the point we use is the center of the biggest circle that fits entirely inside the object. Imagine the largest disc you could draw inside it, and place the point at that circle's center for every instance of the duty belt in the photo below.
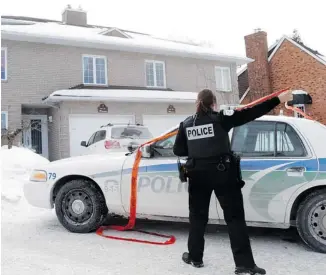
(226, 159)
(220, 162)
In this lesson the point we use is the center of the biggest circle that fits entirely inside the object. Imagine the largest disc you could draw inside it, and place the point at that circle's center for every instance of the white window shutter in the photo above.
(150, 74)
(227, 79)
(159, 71)
(223, 79)
(219, 79)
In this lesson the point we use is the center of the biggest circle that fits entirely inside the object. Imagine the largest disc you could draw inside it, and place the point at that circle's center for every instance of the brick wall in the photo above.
(258, 71)
(243, 83)
(292, 67)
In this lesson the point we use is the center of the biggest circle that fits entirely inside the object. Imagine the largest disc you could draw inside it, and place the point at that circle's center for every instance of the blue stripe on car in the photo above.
(246, 165)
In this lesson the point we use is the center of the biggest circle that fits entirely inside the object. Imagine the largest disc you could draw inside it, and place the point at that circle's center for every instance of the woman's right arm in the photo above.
(237, 118)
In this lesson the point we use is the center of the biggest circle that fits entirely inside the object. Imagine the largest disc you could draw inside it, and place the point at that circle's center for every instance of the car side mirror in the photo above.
(132, 147)
(83, 143)
(146, 151)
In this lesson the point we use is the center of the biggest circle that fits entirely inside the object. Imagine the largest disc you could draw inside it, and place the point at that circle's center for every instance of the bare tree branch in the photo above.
(10, 134)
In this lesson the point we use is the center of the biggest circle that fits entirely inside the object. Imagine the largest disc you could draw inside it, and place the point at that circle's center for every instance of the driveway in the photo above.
(33, 242)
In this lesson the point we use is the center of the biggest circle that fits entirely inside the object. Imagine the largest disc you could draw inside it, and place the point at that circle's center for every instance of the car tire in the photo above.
(311, 221)
(80, 206)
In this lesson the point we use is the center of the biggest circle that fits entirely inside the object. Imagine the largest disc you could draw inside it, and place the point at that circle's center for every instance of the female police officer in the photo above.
(204, 139)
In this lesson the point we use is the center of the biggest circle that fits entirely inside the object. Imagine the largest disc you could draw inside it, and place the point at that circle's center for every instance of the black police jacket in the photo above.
(206, 136)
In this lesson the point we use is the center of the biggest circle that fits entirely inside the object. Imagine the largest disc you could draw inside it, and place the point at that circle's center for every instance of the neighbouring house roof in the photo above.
(91, 36)
(242, 72)
(121, 95)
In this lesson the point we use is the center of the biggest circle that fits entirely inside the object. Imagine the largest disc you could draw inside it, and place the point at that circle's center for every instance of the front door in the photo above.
(275, 163)
(35, 134)
(160, 191)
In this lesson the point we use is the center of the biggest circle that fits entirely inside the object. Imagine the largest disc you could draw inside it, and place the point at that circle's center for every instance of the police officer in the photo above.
(203, 138)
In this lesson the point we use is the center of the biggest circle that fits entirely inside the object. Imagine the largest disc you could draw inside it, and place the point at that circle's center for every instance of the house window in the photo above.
(301, 107)
(95, 70)
(3, 64)
(155, 73)
(4, 120)
(223, 79)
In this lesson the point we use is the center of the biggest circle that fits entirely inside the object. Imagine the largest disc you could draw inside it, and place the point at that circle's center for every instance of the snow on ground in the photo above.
(16, 164)
(34, 242)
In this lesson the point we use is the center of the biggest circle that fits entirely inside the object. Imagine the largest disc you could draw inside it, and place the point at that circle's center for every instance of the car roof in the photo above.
(110, 125)
(280, 118)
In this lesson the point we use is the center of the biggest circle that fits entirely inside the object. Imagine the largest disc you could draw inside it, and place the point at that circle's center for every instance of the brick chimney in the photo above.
(75, 17)
(258, 71)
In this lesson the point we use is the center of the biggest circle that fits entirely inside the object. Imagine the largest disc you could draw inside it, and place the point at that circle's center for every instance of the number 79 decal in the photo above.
(52, 176)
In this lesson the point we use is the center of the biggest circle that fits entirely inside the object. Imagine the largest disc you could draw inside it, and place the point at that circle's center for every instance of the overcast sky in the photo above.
(223, 22)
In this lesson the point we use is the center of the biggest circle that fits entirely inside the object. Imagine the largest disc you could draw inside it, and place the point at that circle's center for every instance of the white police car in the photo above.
(283, 165)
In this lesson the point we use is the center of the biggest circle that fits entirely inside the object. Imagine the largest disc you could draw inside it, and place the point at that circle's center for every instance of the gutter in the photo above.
(60, 98)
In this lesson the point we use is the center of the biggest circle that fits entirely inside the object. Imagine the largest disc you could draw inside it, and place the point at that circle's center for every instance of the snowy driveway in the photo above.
(33, 242)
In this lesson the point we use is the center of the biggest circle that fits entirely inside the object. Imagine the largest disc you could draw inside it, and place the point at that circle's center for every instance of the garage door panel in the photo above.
(158, 124)
(81, 127)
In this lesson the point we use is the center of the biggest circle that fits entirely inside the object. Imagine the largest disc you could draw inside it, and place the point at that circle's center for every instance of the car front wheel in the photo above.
(80, 206)
(311, 221)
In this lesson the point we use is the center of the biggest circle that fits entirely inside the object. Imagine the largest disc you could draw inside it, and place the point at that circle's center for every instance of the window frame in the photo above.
(7, 126)
(97, 133)
(91, 139)
(163, 140)
(94, 69)
(301, 139)
(6, 63)
(222, 68)
(169, 151)
(154, 73)
(130, 127)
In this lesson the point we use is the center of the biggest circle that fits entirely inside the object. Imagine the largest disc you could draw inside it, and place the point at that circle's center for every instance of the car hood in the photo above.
(88, 160)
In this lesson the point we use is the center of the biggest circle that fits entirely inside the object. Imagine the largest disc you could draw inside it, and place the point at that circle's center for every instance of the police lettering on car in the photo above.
(211, 166)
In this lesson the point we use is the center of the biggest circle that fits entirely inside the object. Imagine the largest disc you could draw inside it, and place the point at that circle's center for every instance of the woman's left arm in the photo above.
(180, 147)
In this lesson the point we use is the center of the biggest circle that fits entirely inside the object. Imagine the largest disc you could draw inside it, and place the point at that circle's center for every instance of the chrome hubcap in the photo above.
(318, 222)
(78, 206)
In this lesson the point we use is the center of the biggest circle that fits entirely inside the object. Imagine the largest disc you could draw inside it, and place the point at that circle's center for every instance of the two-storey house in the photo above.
(70, 78)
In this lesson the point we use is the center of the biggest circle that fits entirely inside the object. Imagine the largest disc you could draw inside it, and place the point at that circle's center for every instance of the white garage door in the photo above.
(158, 124)
(81, 127)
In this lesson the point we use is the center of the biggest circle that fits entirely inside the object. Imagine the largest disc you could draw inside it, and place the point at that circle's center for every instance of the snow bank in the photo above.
(16, 165)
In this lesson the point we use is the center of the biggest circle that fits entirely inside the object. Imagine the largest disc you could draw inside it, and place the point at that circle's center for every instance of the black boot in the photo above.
(186, 258)
(252, 271)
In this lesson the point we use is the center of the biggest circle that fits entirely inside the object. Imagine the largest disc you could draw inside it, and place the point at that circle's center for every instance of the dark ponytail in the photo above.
(205, 100)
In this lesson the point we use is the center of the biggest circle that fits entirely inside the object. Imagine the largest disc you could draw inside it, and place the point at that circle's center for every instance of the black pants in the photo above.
(229, 195)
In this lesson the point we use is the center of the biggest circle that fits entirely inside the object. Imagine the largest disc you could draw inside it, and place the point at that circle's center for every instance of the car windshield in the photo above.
(133, 132)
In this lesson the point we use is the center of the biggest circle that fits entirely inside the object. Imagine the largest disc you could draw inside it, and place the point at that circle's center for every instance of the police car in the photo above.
(283, 164)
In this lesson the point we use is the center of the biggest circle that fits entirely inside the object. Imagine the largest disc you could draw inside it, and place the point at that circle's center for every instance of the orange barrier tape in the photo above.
(294, 109)
(133, 195)
(262, 99)
(133, 204)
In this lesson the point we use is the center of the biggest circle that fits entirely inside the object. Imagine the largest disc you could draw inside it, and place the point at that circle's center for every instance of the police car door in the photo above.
(276, 160)
(160, 191)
